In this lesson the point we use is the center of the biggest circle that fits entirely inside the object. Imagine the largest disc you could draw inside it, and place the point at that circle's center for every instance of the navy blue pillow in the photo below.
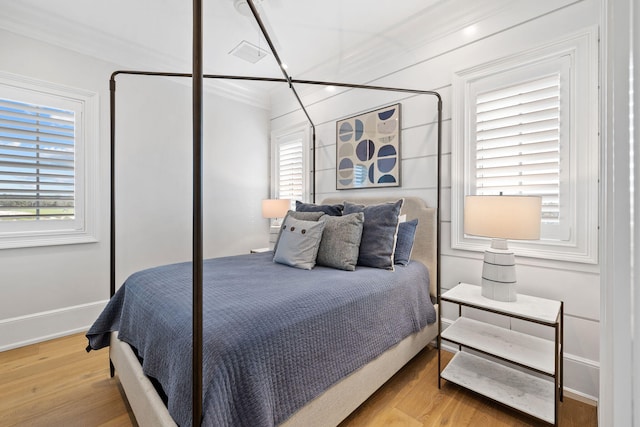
(333, 210)
(404, 244)
(378, 233)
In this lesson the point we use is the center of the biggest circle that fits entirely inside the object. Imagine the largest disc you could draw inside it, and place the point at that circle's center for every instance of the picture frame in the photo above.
(368, 149)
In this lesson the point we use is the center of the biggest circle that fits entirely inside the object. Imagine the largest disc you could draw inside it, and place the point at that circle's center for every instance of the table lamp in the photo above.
(501, 218)
(275, 208)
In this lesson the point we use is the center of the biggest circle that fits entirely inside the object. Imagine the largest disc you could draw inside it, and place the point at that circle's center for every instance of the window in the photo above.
(44, 158)
(527, 125)
(290, 148)
(37, 168)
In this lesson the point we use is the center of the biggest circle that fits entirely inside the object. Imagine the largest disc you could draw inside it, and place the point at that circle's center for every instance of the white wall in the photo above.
(51, 291)
(520, 27)
(154, 172)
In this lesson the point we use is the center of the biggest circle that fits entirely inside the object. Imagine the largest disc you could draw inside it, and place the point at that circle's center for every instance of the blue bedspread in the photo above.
(274, 336)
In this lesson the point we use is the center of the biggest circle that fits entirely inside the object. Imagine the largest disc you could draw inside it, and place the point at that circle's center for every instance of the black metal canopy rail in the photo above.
(197, 232)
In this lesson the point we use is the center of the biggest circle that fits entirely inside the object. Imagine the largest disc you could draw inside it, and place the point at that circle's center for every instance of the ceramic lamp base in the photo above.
(499, 273)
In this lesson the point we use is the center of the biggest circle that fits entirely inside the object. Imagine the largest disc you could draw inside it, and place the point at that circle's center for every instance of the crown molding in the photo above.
(32, 23)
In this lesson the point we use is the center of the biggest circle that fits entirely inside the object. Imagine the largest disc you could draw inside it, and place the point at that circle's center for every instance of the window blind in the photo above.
(37, 164)
(291, 170)
(518, 142)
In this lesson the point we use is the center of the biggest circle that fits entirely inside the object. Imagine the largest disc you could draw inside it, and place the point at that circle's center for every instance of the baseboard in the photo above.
(580, 397)
(33, 328)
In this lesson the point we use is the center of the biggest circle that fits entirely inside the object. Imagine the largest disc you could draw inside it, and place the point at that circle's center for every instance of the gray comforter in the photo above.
(275, 337)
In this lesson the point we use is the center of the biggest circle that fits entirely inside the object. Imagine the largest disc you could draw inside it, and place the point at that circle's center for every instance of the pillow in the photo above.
(333, 210)
(299, 243)
(340, 242)
(304, 216)
(378, 233)
(404, 244)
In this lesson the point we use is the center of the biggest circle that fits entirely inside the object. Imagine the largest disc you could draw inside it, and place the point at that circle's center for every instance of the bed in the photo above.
(305, 400)
(344, 394)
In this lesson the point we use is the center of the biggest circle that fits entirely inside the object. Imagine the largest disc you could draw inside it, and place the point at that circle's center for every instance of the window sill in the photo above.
(49, 239)
(531, 253)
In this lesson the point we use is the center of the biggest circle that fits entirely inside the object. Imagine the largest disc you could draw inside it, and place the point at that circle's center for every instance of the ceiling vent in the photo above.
(249, 52)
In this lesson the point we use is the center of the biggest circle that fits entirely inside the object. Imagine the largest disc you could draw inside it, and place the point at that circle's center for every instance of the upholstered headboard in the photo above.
(426, 241)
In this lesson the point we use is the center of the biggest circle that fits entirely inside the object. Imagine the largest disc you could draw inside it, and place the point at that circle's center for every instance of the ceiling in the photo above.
(325, 35)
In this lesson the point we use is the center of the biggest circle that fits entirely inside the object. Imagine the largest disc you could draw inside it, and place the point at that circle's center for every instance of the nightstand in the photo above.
(524, 389)
(260, 250)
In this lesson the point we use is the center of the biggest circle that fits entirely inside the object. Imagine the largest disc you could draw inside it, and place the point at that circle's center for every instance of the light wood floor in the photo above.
(57, 383)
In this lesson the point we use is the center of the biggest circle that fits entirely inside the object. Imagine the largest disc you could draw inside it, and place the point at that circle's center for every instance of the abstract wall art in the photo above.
(368, 149)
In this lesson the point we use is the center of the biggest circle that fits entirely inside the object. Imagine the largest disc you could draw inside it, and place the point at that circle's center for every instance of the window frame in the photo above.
(581, 240)
(82, 229)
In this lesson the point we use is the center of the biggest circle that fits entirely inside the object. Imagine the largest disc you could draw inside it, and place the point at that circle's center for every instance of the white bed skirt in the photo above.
(328, 409)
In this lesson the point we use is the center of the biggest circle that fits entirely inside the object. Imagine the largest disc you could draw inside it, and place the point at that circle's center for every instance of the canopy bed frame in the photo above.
(147, 406)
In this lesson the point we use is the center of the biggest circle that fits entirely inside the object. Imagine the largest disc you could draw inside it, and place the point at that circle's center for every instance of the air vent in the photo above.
(249, 52)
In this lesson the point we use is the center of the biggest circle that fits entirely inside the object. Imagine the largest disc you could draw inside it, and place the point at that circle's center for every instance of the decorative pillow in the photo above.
(299, 243)
(404, 244)
(379, 233)
(340, 242)
(333, 210)
(303, 216)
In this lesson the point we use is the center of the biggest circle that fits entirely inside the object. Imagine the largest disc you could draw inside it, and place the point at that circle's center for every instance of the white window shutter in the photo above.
(517, 147)
(290, 180)
(37, 162)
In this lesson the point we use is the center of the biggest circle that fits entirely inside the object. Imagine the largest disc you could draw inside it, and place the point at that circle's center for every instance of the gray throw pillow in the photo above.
(340, 242)
(379, 233)
(304, 216)
(299, 243)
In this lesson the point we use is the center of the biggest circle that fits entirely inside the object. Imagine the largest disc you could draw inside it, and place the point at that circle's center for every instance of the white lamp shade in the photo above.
(275, 208)
(503, 217)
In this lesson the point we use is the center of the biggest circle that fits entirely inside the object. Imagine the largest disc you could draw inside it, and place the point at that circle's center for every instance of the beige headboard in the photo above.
(425, 244)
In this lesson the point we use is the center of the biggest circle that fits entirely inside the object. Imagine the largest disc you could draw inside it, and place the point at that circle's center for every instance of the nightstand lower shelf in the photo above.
(516, 347)
(521, 391)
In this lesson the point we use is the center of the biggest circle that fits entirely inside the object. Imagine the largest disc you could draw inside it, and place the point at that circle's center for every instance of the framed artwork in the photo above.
(368, 149)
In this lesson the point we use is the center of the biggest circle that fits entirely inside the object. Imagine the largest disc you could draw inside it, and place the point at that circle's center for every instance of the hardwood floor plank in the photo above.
(58, 383)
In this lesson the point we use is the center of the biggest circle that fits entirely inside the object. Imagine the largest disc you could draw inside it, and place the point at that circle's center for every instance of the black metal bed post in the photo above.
(112, 214)
(197, 262)
(439, 184)
(112, 208)
(313, 162)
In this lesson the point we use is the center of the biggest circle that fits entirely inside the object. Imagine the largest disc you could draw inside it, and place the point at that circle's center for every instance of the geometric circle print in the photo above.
(368, 149)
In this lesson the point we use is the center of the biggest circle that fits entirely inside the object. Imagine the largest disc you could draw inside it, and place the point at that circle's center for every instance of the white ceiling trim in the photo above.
(92, 42)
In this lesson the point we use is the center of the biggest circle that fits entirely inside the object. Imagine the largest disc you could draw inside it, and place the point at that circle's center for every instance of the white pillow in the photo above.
(299, 242)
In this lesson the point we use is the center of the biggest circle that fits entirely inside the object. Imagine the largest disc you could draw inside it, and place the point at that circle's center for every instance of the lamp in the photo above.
(501, 218)
(275, 208)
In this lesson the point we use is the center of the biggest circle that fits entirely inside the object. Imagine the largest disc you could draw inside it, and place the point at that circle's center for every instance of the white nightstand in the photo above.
(260, 250)
(520, 389)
